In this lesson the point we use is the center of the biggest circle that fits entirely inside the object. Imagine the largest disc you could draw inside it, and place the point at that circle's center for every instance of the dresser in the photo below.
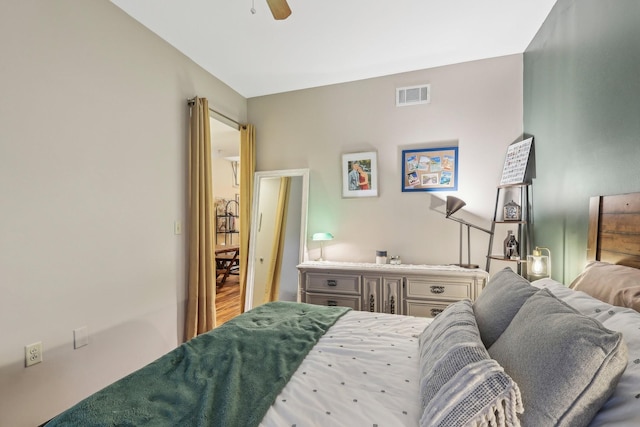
(410, 289)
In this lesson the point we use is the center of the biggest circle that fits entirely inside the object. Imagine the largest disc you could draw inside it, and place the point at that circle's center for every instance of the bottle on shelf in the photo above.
(515, 214)
(511, 246)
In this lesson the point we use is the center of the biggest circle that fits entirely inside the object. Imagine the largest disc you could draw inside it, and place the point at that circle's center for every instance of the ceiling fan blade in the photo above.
(279, 8)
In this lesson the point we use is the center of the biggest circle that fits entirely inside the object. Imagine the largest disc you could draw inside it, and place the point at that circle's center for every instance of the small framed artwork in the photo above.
(430, 169)
(514, 170)
(360, 174)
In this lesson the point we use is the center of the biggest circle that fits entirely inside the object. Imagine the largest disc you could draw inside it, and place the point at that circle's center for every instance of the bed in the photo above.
(540, 354)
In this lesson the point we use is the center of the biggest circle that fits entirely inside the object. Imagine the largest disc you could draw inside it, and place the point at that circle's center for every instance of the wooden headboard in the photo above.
(614, 229)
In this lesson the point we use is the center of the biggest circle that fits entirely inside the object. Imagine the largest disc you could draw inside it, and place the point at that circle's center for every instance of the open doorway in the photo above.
(225, 166)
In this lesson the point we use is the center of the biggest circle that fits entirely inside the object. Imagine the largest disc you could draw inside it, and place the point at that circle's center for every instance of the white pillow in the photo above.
(615, 284)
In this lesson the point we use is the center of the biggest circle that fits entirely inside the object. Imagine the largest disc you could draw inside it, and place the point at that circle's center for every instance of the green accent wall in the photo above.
(582, 105)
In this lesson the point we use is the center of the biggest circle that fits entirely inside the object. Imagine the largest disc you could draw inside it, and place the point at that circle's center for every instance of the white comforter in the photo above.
(348, 380)
(344, 381)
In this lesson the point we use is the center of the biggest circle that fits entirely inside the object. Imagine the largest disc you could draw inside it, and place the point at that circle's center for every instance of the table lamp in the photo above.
(538, 265)
(454, 205)
(321, 237)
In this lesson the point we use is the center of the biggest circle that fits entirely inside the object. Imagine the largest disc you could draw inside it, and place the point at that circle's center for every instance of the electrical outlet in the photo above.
(33, 353)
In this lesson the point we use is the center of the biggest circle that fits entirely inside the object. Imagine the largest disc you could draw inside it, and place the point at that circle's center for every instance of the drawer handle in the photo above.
(332, 303)
(437, 289)
(332, 282)
(372, 303)
(393, 305)
(436, 311)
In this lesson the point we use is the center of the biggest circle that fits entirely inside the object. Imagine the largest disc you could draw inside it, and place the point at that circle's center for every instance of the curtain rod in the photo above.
(192, 101)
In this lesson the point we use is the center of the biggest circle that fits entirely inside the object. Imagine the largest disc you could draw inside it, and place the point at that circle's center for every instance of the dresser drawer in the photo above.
(415, 290)
(444, 290)
(424, 308)
(333, 283)
(334, 300)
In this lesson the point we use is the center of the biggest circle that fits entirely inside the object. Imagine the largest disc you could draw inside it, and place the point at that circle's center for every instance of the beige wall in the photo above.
(93, 124)
(222, 176)
(476, 105)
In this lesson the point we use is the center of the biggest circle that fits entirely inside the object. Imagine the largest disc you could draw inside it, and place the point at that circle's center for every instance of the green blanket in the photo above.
(227, 377)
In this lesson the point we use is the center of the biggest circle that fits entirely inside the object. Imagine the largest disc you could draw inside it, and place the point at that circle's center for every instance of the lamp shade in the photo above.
(322, 236)
(454, 205)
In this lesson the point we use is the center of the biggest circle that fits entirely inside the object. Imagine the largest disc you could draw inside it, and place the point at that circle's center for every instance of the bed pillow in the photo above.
(614, 284)
(566, 364)
(459, 383)
(623, 407)
(498, 302)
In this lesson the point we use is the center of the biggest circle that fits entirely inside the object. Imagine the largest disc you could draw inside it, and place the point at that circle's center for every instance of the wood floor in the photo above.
(228, 300)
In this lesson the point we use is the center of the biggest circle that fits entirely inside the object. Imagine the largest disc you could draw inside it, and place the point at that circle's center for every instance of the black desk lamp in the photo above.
(454, 205)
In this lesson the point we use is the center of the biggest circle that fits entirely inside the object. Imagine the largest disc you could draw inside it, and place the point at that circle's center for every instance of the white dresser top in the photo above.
(391, 268)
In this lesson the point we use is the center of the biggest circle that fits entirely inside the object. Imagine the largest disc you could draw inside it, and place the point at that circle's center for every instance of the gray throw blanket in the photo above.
(227, 377)
(460, 384)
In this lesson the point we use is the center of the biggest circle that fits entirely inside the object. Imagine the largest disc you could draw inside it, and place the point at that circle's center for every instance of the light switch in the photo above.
(177, 227)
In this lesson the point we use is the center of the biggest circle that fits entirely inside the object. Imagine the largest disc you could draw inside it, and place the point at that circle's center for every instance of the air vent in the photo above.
(413, 95)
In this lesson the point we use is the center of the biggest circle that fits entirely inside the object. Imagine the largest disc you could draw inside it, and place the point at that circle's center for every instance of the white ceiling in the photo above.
(334, 41)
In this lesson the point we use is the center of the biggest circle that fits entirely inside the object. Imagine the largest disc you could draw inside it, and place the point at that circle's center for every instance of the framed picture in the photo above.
(360, 174)
(514, 170)
(430, 169)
